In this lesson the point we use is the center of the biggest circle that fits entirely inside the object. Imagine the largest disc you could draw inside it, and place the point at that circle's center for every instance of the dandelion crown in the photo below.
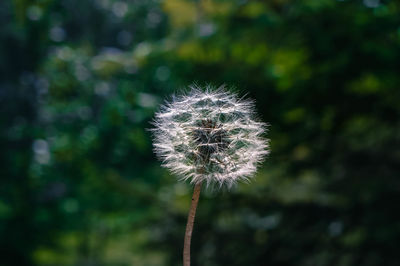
(209, 135)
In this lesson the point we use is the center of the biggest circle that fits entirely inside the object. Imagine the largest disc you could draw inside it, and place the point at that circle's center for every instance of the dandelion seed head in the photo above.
(209, 134)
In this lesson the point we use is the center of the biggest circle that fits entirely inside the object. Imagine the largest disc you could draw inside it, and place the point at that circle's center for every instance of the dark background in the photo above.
(80, 81)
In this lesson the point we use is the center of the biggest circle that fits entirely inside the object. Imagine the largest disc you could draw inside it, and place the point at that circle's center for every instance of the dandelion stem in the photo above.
(189, 225)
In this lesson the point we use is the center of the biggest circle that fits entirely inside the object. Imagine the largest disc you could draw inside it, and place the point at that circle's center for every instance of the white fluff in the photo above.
(209, 135)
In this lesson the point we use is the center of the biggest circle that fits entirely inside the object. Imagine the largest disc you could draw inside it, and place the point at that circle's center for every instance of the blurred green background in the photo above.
(81, 79)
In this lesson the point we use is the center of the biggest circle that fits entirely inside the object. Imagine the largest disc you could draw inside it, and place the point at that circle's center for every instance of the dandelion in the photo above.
(208, 136)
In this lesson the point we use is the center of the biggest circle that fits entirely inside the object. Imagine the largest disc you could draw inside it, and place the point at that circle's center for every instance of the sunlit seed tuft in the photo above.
(209, 135)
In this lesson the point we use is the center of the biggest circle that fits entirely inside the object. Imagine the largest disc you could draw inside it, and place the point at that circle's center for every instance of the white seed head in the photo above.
(209, 135)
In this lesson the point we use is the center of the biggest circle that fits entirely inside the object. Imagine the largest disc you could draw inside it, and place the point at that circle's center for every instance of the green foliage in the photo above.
(80, 81)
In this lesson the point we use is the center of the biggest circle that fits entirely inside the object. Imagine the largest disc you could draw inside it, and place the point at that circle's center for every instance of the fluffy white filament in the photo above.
(209, 135)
